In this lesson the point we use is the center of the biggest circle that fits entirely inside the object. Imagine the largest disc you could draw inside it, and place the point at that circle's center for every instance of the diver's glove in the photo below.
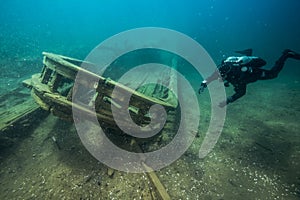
(224, 103)
(202, 86)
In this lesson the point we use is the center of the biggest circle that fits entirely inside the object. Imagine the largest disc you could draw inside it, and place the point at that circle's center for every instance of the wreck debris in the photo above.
(54, 87)
(56, 142)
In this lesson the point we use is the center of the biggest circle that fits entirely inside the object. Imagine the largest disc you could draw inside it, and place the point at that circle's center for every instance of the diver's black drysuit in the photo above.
(239, 71)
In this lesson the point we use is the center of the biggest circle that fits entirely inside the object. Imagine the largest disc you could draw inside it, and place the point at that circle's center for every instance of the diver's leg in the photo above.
(292, 54)
(273, 73)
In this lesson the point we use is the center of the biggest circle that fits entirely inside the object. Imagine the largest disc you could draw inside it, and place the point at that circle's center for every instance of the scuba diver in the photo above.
(239, 71)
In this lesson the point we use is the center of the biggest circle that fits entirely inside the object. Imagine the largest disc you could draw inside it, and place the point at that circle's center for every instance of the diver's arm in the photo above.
(212, 77)
(209, 79)
(240, 91)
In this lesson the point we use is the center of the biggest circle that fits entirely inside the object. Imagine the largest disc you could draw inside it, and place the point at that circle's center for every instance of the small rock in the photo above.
(110, 172)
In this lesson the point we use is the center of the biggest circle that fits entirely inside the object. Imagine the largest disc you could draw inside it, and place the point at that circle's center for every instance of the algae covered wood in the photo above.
(54, 87)
(17, 113)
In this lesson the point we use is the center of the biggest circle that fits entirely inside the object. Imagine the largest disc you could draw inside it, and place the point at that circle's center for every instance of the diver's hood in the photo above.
(224, 69)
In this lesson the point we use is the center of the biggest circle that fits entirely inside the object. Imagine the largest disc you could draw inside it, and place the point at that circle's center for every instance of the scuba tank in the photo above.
(251, 61)
(245, 63)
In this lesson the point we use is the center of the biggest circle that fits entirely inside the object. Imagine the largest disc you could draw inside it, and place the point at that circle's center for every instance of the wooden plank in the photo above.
(74, 61)
(156, 182)
(152, 175)
(14, 114)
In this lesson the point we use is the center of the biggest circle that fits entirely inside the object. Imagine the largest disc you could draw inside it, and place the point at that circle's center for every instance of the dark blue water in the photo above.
(75, 27)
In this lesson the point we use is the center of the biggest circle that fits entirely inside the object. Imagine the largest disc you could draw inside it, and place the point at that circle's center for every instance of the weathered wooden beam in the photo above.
(21, 113)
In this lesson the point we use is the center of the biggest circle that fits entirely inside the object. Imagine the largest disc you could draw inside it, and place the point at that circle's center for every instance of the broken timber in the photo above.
(19, 114)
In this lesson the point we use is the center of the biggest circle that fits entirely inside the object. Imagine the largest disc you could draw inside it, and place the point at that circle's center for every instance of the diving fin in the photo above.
(246, 52)
(291, 54)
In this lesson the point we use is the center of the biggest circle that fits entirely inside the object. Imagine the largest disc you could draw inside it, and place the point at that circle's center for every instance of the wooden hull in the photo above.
(55, 86)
